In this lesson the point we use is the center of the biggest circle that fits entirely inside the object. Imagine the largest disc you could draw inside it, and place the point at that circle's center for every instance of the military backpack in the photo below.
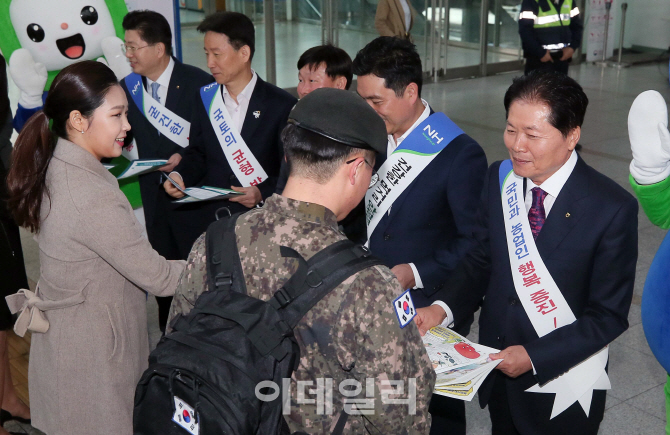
(204, 378)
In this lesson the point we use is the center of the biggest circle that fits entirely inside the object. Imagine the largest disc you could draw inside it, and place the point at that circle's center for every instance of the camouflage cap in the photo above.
(342, 116)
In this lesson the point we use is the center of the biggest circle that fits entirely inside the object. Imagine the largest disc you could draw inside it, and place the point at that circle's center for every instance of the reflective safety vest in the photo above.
(551, 18)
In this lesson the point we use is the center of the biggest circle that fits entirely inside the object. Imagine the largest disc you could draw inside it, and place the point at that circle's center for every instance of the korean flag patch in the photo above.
(185, 417)
(404, 308)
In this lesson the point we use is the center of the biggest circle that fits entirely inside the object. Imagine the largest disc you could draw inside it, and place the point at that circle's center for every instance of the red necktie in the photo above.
(536, 214)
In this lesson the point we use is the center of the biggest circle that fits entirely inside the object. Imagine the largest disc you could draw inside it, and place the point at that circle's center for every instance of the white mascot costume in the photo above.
(40, 37)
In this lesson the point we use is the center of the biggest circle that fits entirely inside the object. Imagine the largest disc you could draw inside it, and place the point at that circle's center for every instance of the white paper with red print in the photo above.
(448, 350)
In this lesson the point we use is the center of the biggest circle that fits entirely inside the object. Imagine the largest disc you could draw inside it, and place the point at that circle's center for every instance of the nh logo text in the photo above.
(433, 133)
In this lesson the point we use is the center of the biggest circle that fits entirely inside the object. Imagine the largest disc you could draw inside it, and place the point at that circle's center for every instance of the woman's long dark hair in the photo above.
(81, 86)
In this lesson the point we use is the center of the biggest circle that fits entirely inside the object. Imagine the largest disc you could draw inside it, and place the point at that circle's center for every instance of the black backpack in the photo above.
(202, 378)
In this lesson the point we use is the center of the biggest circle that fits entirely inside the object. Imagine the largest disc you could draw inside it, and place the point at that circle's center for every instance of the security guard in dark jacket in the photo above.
(551, 31)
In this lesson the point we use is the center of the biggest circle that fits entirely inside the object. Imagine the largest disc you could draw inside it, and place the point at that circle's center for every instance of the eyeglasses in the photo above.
(375, 175)
(127, 49)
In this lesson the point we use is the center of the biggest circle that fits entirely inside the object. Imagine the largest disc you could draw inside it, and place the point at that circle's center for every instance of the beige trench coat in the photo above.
(390, 19)
(95, 265)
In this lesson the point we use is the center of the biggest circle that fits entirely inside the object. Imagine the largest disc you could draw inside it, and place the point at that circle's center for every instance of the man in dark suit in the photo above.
(428, 229)
(583, 228)
(258, 111)
(174, 86)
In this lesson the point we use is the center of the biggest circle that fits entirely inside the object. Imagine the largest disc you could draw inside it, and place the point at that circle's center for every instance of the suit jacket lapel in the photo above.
(174, 88)
(401, 13)
(397, 204)
(388, 217)
(256, 104)
(567, 211)
(403, 196)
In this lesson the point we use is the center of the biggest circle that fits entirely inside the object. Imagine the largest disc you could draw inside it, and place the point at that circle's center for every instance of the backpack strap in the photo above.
(324, 271)
(223, 258)
(223, 262)
(308, 285)
(341, 421)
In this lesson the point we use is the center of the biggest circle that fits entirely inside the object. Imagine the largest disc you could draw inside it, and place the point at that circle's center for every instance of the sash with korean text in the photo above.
(168, 123)
(242, 161)
(402, 166)
(543, 301)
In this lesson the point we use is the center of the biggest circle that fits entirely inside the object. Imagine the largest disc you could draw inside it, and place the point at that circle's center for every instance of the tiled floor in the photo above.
(635, 403)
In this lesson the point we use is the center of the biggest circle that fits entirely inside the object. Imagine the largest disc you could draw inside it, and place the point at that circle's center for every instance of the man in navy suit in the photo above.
(258, 111)
(174, 86)
(584, 234)
(429, 227)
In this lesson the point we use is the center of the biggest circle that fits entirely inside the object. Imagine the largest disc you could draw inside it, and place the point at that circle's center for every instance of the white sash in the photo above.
(543, 301)
(168, 123)
(242, 161)
(402, 167)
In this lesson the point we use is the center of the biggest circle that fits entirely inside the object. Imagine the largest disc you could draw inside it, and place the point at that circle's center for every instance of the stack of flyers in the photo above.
(460, 364)
(142, 166)
(204, 193)
(462, 383)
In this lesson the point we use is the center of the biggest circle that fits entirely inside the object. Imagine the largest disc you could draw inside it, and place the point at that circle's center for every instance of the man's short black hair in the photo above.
(564, 96)
(236, 26)
(338, 63)
(152, 27)
(314, 156)
(393, 59)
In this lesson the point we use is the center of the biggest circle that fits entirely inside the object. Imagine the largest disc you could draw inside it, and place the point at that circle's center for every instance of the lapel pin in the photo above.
(257, 114)
(567, 215)
(177, 86)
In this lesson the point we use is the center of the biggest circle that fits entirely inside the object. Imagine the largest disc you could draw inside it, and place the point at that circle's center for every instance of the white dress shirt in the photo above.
(408, 14)
(390, 147)
(238, 109)
(163, 81)
(552, 186)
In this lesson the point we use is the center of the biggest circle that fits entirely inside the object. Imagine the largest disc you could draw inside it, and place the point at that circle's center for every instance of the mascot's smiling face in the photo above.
(60, 32)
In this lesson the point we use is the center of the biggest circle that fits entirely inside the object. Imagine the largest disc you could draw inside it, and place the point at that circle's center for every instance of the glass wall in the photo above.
(448, 33)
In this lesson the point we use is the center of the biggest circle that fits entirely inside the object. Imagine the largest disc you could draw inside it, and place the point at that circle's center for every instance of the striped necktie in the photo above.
(154, 91)
(154, 94)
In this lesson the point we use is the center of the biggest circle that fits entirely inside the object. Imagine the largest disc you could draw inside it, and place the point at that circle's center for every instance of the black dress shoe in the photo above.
(6, 416)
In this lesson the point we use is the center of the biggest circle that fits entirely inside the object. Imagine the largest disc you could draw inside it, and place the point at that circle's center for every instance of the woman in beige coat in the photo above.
(88, 317)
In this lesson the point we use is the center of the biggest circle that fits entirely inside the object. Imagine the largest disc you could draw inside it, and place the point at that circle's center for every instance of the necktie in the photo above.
(154, 91)
(536, 214)
(154, 94)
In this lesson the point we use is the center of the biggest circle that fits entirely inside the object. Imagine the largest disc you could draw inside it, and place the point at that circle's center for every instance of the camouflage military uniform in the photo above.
(352, 333)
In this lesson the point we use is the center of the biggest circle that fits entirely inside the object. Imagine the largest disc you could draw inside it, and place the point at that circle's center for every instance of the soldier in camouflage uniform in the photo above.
(353, 332)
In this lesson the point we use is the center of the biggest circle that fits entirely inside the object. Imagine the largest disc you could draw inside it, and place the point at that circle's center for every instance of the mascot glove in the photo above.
(115, 59)
(30, 77)
(649, 138)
